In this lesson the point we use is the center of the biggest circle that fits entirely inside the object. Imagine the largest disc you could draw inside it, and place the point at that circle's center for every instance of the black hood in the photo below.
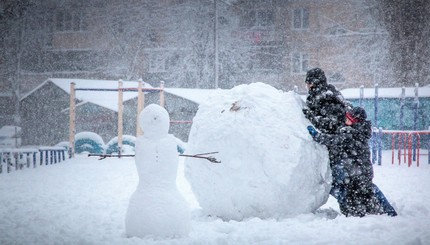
(316, 77)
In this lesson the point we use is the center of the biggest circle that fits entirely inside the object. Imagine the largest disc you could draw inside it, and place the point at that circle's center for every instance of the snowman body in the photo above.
(157, 208)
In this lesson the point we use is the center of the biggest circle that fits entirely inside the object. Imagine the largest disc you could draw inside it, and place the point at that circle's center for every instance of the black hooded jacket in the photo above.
(325, 108)
(351, 145)
(353, 156)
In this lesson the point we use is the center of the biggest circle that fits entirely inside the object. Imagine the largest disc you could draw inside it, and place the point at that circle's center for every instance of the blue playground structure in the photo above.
(401, 114)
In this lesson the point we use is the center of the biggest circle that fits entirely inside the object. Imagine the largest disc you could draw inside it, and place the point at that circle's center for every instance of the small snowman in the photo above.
(157, 209)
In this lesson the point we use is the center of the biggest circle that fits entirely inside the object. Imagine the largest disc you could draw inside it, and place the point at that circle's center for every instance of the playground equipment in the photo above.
(407, 133)
(127, 141)
(140, 105)
(406, 143)
(89, 142)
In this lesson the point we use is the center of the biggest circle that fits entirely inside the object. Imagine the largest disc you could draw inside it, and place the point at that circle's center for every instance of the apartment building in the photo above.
(272, 41)
(340, 37)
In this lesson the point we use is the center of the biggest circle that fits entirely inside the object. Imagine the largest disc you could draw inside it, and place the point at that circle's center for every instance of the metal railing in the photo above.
(18, 158)
(407, 144)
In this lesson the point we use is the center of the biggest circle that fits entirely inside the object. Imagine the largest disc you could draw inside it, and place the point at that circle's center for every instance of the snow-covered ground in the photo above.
(84, 201)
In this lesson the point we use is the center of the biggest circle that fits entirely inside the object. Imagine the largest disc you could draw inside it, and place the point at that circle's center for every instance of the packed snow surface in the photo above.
(270, 167)
(84, 201)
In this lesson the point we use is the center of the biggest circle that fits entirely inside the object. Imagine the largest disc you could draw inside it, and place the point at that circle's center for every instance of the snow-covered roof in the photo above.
(354, 93)
(195, 95)
(107, 99)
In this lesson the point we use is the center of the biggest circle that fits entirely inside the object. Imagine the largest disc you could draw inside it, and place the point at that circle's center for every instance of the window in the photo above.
(301, 19)
(259, 17)
(300, 62)
(66, 21)
(157, 62)
(264, 18)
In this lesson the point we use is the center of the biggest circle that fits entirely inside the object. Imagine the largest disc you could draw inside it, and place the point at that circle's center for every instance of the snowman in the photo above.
(156, 208)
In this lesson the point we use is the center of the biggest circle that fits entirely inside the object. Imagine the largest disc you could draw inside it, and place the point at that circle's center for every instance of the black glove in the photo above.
(312, 131)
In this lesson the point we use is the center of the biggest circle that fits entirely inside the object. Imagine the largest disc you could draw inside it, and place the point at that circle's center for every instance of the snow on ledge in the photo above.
(354, 93)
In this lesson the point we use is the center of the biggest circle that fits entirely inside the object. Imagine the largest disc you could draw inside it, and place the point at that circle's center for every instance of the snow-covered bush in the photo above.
(89, 142)
(128, 143)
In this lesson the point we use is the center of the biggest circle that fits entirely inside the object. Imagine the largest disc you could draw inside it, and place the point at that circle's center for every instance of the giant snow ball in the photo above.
(270, 166)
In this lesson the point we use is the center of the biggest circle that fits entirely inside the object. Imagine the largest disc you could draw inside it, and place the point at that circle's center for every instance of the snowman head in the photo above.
(154, 121)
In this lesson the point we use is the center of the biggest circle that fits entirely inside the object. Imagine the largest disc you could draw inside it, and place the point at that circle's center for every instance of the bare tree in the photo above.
(12, 32)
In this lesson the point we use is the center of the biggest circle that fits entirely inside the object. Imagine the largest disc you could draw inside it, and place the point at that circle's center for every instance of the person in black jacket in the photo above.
(325, 108)
(357, 195)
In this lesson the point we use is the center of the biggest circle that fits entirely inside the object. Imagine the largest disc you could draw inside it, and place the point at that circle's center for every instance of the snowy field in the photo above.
(84, 201)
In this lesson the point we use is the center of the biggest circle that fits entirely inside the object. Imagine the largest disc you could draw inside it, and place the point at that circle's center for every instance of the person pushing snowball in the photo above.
(156, 208)
(353, 172)
(326, 109)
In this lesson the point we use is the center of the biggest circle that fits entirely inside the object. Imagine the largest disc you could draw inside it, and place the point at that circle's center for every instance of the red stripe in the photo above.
(351, 118)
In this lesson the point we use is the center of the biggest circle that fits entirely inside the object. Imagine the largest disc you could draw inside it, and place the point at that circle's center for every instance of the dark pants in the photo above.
(386, 206)
(339, 191)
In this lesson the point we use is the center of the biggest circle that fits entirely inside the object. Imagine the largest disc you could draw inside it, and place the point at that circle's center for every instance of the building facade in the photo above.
(179, 42)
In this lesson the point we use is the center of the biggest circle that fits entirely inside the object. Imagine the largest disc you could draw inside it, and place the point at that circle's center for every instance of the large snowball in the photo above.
(270, 166)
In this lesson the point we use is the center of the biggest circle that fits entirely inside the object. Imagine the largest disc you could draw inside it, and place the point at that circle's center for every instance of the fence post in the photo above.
(140, 106)
(1, 162)
(28, 159)
(418, 147)
(376, 105)
(402, 106)
(72, 121)
(416, 106)
(120, 117)
(8, 162)
(162, 99)
(375, 128)
(361, 95)
(380, 146)
(402, 140)
(34, 159)
(16, 156)
(374, 145)
(46, 157)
